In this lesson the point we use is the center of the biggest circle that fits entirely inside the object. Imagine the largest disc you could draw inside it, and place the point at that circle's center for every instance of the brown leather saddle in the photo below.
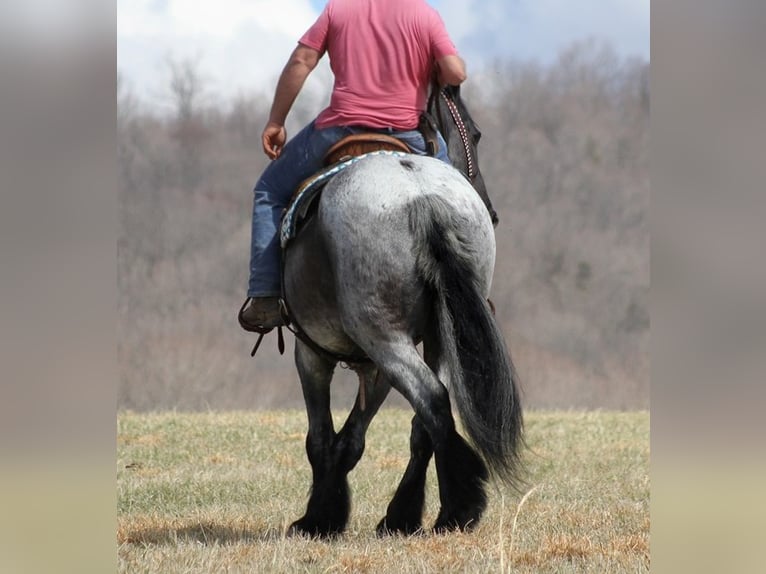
(359, 144)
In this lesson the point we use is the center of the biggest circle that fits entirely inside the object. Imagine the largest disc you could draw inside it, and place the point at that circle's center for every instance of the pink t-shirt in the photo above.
(382, 54)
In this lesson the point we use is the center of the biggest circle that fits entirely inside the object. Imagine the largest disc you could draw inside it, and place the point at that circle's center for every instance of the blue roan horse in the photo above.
(402, 250)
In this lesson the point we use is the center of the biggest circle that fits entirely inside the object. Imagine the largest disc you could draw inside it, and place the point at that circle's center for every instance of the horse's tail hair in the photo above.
(483, 379)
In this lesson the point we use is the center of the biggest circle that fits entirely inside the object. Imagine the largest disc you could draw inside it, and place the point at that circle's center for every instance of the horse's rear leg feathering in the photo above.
(483, 380)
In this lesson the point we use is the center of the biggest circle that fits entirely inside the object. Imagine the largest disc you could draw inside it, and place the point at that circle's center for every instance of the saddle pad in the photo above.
(309, 190)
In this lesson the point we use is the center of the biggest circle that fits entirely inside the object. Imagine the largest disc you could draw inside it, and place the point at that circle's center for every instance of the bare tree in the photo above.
(187, 89)
(565, 157)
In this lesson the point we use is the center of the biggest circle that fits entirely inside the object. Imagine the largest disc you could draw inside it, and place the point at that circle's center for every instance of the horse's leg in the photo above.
(405, 511)
(461, 472)
(329, 503)
(349, 443)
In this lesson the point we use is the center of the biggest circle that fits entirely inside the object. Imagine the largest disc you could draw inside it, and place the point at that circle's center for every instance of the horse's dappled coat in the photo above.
(402, 250)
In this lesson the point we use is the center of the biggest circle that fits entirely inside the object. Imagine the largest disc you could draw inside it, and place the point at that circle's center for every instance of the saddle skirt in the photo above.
(309, 191)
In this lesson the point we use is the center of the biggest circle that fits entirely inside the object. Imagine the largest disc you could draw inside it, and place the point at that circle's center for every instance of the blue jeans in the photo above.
(301, 157)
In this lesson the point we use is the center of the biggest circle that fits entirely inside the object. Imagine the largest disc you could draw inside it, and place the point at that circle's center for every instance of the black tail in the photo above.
(484, 383)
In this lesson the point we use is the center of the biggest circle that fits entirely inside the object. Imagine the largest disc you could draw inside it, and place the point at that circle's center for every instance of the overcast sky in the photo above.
(241, 45)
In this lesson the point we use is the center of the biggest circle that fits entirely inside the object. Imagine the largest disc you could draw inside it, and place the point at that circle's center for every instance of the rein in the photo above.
(469, 135)
(471, 167)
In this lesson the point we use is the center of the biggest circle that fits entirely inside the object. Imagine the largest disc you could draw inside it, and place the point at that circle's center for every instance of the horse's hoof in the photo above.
(385, 528)
(445, 524)
(295, 530)
(310, 529)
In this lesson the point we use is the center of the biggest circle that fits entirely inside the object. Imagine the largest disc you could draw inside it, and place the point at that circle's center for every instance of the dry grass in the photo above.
(214, 493)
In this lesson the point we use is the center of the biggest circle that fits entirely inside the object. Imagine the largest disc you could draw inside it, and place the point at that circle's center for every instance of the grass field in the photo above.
(215, 492)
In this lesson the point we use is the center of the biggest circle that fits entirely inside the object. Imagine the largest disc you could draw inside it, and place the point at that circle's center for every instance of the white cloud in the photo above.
(240, 45)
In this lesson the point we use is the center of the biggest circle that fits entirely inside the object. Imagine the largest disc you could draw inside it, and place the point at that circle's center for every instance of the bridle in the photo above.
(470, 159)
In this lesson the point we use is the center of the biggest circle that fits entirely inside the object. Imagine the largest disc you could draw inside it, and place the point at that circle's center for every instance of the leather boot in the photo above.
(259, 313)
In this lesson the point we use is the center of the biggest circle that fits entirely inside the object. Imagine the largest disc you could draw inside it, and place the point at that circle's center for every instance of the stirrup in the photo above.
(264, 330)
(280, 339)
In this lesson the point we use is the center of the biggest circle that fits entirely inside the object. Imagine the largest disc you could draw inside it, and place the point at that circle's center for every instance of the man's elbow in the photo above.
(452, 71)
(458, 77)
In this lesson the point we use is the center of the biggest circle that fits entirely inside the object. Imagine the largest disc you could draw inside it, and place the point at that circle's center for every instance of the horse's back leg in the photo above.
(404, 514)
(461, 472)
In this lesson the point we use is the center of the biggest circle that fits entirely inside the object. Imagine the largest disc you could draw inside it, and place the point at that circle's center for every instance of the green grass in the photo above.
(215, 492)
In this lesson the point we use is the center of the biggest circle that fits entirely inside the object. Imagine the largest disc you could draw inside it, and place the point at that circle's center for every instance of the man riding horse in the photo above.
(401, 250)
(384, 56)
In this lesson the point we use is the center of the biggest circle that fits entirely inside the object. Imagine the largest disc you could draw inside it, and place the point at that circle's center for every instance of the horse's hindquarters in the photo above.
(366, 217)
(352, 275)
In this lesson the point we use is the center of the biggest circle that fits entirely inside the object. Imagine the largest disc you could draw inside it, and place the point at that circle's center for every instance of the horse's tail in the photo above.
(483, 379)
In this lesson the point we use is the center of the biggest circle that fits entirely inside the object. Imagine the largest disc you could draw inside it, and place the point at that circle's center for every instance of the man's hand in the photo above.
(273, 138)
(302, 61)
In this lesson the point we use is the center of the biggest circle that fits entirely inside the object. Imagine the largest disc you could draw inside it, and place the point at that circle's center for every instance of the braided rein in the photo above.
(463, 134)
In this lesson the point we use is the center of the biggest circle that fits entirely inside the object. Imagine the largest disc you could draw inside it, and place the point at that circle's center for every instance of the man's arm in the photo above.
(450, 70)
(301, 63)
